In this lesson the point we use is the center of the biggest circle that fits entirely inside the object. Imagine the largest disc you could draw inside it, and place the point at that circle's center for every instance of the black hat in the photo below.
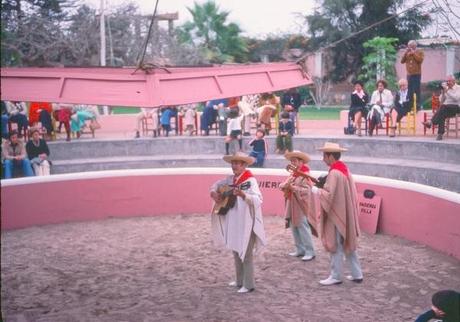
(449, 302)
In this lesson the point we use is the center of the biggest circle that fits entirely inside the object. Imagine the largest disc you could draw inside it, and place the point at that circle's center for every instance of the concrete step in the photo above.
(404, 148)
(441, 175)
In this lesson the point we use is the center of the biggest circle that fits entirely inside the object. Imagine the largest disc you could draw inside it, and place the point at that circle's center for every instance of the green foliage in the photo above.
(434, 85)
(379, 62)
(337, 19)
(271, 47)
(218, 40)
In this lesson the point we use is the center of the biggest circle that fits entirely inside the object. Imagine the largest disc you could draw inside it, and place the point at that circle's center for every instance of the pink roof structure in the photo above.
(147, 88)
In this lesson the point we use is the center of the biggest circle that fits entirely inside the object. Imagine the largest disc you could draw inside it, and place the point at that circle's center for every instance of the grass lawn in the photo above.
(125, 110)
(306, 112)
(325, 113)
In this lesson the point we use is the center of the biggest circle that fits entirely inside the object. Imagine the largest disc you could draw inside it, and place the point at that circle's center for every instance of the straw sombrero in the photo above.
(239, 156)
(297, 154)
(332, 147)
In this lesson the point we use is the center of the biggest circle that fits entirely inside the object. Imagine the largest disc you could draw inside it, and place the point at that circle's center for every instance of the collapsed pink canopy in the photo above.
(157, 87)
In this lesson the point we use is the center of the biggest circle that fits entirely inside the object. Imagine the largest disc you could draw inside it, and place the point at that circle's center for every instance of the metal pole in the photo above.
(105, 108)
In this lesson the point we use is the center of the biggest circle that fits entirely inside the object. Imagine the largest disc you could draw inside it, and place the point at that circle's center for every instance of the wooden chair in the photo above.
(147, 126)
(453, 126)
(385, 125)
(14, 126)
(410, 119)
(427, 116)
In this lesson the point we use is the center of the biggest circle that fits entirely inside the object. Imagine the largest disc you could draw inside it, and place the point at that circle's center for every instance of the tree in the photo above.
(336, 19)
(379, 63)
(218, 40)
(31, 34)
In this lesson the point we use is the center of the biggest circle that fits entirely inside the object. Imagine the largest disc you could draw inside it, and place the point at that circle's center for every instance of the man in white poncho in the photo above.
(241, 229)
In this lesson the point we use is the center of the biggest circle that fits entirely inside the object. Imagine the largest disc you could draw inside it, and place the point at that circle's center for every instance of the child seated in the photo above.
(259, 148)
(286, 131)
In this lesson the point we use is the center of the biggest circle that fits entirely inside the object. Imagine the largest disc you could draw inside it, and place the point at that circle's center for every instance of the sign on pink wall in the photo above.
(369, 211)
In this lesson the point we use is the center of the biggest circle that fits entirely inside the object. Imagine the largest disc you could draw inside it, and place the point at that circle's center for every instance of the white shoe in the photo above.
(330, 281)
(245, 290)
(307, 258)
(353, 279)
(233, 283)
(295, 254)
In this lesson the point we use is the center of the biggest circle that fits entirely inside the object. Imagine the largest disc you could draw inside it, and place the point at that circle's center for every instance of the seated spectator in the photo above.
(358, 106)
(450, 106)
(234, 130)
(208, 118)
(291, 102)
(17, 112)
(248, 106)
(62, 114)
(402, 103)
(165, 119)
(146, 113)
(81, 114)
(221, 106)
(259, 148)
(266, 111)
(41, 112)
(38, 153)
(286, 131)
(4, 120)
(381, 102)
(189, 114)
(14, 156)
(445, 307)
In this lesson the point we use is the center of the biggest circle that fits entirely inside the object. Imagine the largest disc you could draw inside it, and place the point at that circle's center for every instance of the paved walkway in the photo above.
(166, 269)
(123, 127)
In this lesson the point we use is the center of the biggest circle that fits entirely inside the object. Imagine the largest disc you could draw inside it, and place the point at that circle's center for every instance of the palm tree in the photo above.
(219, 42)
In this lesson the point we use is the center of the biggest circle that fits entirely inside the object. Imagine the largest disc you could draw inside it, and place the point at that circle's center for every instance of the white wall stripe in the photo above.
(390, 183)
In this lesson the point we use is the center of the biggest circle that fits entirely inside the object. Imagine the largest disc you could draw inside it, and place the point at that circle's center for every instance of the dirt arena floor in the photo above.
(166, 269)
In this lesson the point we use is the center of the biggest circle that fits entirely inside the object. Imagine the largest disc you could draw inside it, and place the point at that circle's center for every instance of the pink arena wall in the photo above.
(415, 212)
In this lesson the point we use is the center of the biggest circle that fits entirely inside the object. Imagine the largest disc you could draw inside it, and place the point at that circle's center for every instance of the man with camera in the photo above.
(413, 58)
(450, 105)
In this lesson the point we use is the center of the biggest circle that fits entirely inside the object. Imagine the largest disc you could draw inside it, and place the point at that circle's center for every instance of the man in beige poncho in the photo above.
(241, 229)
(300, 205)
(339, 227)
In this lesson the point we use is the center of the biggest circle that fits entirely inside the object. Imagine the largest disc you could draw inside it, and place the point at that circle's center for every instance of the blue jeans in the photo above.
(260, 157)
(302, 238)
(337, 260)
(414, 87)
(25, 165)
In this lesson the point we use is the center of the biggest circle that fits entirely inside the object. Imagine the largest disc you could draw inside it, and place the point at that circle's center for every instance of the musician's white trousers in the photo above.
(245, 269)
(337, 261)
(302, 238)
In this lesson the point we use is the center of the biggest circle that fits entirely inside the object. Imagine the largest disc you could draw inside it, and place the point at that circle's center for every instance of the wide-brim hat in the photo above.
(332, 147)
(239, 156)
(297, 154)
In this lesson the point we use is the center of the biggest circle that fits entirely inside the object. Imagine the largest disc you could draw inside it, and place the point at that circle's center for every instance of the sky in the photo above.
(258, 18)
(255, 17)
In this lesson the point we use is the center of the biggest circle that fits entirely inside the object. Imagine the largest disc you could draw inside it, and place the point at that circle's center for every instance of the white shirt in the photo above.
(451, 96)
(234, 124)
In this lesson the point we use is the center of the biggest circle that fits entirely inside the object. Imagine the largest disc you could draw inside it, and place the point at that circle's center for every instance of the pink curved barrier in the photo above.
(415, 212)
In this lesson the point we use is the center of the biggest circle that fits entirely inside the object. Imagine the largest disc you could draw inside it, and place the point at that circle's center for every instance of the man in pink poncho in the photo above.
(339, 227)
